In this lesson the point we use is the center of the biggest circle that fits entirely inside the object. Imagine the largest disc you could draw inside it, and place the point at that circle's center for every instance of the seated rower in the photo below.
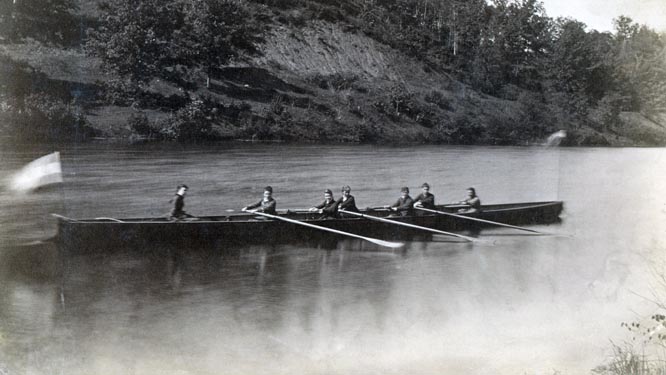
(328, 208)
(404, 204)
(472, 201)
(266, 205)
(425, 199)
(346, 202)
(178, 212)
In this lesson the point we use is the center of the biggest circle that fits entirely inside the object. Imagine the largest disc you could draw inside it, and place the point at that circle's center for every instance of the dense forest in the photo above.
(391, 71)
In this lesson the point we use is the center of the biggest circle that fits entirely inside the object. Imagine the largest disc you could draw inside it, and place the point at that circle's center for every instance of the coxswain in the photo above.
(404, 204)
(178, 212)
(266, 205)
(328, 208)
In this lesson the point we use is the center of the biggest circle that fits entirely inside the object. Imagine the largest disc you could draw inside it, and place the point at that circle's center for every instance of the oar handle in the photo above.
(378, 208)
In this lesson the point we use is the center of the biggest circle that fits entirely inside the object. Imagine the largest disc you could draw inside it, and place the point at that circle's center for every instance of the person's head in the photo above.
(268, 192)
(425, 187)
(181, 189)
(346, 190)
(328, 194)
(471, 192)
(404, 191)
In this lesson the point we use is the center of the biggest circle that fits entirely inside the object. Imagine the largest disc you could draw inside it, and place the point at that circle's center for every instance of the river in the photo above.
(516, 304)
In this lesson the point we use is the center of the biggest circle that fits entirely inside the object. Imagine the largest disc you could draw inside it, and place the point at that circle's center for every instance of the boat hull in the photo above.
(94, 235)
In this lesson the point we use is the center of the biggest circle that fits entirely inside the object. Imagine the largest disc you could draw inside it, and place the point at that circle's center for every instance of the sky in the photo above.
(599, 14)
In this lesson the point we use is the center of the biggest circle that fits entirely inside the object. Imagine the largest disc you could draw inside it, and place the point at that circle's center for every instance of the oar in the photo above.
(409, 225)
(479, 220)
(392, 245)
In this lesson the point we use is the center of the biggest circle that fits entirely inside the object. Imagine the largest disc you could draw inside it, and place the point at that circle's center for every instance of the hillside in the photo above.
(313, 81)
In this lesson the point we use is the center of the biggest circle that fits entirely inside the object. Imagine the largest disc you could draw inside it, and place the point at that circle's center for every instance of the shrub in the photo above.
(606, 114)
(398, 102)
(121, 92)
(191, 122)
(436, 97)
(625, 361)
(139, 124)
(337, 81)
(40, 117)
(461, 129)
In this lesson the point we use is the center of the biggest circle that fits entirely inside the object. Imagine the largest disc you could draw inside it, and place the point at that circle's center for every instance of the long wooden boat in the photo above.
(93, 235)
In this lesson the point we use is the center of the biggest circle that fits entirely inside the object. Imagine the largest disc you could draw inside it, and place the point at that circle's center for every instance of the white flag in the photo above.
(43, 171)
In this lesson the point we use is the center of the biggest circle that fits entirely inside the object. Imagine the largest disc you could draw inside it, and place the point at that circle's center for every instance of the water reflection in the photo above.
(510, 304)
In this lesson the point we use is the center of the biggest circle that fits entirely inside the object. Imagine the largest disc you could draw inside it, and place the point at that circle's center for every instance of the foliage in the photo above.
(640, 66)
(32, 115)
(336, 81)
(170, 39)
(550, 70)
(644, 353)
(625, 361)
(437, 97)
(48, 21)
(192, 122)
(215, 32)
(41, 117)
(398, 102)
(579, 64)
(605, 115)
(136, 38)
(139, 124)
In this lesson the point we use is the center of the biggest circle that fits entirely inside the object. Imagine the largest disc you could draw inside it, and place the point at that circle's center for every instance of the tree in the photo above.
(170, 39)
(215, 32)
(640, 65)
(518, 40)
(579, 64)
(136, 39)
(467, 24)
(48, 21)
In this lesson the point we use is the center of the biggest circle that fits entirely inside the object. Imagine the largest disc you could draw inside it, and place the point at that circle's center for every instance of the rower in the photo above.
(346, 202)
(178, 212)
(328, 208)
(425, 199)
(266, 205)
(404, 204)
(473, 201)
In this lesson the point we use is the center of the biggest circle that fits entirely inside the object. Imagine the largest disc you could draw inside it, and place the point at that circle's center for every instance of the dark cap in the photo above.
(425, 185)
(268, 188)
(182, 186)
(346, 188)
(404, 189)
(328, 191)
(472, 190)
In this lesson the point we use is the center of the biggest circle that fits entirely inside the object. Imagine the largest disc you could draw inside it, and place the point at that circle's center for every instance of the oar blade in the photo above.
(389, 244)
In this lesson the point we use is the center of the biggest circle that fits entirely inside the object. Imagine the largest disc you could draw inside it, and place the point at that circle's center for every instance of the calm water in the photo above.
(522, 305)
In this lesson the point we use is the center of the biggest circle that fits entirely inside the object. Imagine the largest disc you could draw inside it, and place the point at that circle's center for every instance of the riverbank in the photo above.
(314, 81)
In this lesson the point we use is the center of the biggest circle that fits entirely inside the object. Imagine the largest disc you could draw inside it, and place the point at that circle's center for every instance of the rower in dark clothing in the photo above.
(346, 202)
(266, 205)
(178, 211)
(328, 208)
(425, 199)
(404, 204)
